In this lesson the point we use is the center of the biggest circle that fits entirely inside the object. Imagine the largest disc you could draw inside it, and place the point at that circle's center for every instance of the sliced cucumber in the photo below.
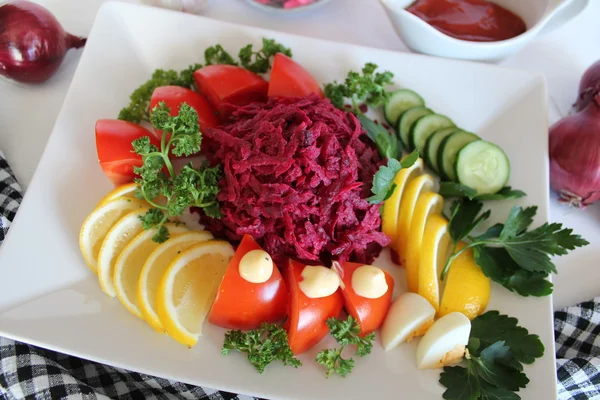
(448, 151)
(483, 166)
(424, 127)
(400, 101)
(407, 119)
(433, 144)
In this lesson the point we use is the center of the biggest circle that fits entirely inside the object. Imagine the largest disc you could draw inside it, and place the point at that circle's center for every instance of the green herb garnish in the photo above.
(497, 350)
(260, 61)
(218, 55)
(195, 187)
(383, 181)
(139, 101)
(387, 144)
(509, 253)
(366, 87)
(345, 333)
(454, 189)
(264, 345)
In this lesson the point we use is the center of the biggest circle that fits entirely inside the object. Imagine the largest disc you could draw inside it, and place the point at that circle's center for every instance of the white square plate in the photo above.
(48, 297)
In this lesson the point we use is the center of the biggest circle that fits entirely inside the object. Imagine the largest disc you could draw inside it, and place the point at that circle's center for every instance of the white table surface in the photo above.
(27, 113)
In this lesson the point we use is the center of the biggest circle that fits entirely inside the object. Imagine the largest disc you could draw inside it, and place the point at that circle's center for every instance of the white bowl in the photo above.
(419, 36)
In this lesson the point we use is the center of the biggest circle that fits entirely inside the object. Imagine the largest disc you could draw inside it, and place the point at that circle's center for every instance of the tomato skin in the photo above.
(306, 324)
(370, 313)
(115, 152)
(290, 79)
(244, 305)
(174, 96)
(227, 85)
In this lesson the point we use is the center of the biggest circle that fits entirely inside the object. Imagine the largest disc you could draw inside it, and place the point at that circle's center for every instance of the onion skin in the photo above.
(589, 86)
(575, 156)
(32, 42)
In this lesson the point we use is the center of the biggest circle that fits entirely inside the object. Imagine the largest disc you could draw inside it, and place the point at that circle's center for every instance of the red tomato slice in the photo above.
(244, 305)
(370, 313)
(306, 324)
(174, 96)
(226, 85)
(290, 79)
(115, 153)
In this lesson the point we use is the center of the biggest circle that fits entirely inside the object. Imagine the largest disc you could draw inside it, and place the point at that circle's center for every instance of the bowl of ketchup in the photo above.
(476, 29)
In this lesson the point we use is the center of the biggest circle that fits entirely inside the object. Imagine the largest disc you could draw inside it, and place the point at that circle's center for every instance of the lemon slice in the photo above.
(115, 241)
(99, 222)
(127, 191)
(408, 202)
(189, 287)
(433, 256)
(427, 204)
(130, 262)
(467, 289)
(154, 268)
(391, 207)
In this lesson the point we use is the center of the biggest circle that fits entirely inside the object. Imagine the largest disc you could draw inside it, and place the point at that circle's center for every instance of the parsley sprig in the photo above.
(157, 177)
(260, 61)
(497, 350)
(139, 101)
(367, 86)
(454, 189)
(383, 181)
(510, 253)
(345, 333)
(264, 345)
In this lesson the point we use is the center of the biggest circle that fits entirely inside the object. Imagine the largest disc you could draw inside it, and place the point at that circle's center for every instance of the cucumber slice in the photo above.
(433, 144)
(400, 101)
(448, 151)
(424, 127)
(406, 121)
(483, 166)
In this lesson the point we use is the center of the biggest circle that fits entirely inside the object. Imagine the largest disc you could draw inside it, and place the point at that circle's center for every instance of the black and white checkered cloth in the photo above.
(28, 372)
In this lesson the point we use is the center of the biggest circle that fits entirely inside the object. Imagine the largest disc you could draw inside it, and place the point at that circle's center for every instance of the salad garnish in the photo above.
(497, 350)
(455, 189)
(367, 87)
(190, 187)
(518, 259)
(345, 332)
(264, 345)
(383, 182)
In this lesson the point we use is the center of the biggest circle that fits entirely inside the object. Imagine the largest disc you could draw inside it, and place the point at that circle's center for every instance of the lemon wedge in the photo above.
(127, 191)
(130, 262)
(414, 188)
(115, 241)
(467, 289)
(99, 222)
(428, 203)
(154, 268)
(391, 207)
(434, 253)
(189, 287)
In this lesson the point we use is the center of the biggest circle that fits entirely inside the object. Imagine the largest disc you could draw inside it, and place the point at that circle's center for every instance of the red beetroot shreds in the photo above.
(297, 172)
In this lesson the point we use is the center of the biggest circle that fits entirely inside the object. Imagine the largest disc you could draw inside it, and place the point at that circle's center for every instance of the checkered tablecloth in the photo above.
(29, 372)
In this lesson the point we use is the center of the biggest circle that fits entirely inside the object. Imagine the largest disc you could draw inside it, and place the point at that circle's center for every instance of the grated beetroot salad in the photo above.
(296, 175)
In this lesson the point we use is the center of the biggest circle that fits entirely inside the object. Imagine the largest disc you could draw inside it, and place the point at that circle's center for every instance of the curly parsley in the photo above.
(189, 187)
(345, 333)
(260, 61)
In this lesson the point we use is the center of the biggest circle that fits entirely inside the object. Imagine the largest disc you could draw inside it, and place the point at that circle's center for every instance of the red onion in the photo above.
(589, 86)
(575, 155)
(32, 42)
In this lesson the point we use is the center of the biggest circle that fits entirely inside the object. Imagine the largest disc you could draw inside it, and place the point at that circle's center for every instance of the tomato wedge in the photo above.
(306, 324)
(227, 85)
(370, 313)
(115, 152)
(290, 79)
(174, 96)
(244, 305)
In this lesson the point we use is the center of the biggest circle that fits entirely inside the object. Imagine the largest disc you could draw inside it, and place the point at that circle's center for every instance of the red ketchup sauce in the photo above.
(473, 20)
